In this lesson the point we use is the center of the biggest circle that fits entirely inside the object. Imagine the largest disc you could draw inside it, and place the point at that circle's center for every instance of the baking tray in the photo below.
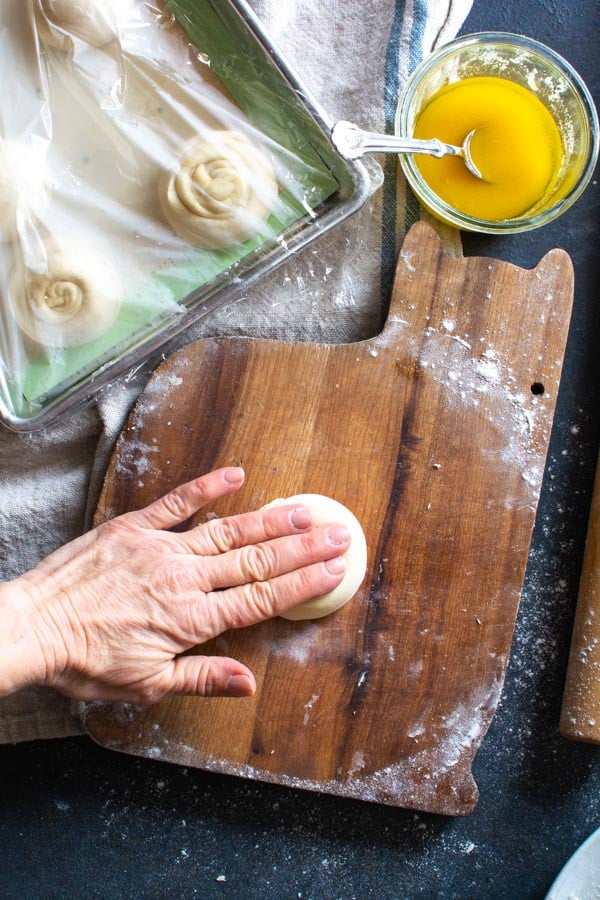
(263, 84)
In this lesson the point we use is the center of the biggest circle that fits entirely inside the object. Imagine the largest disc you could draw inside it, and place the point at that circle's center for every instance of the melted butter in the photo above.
(516, 146)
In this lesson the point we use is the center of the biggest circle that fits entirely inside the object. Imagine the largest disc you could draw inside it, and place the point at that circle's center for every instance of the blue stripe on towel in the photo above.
(392, 87)
(390, 166)
(417, 33)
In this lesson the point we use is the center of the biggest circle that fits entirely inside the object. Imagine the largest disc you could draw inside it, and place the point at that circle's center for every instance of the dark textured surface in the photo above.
(78, 821)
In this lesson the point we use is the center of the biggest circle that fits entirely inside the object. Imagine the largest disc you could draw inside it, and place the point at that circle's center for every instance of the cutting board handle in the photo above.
(554, 272)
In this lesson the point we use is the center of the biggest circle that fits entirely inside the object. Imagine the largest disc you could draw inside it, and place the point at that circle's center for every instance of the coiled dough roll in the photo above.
(73, 301)
(92, 21)
(221, 191)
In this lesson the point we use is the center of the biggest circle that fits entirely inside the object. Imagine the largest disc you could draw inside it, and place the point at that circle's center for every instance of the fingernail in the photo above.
(301, 518)
(240, 686)
(233, 476)
(338, 534)
(336, 566)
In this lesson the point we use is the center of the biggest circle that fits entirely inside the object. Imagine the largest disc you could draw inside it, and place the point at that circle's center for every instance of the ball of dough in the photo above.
(325, 510)
(22, 183)
(74, 300)
(92, 21)
(221, 191)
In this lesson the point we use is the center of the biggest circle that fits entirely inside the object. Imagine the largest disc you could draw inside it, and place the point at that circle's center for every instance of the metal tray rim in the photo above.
(140, 353)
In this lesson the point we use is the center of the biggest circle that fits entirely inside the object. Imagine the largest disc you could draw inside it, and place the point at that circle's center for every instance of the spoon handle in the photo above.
(352, 142)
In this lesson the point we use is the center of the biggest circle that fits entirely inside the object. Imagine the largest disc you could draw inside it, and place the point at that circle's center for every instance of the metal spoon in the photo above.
(352, 142)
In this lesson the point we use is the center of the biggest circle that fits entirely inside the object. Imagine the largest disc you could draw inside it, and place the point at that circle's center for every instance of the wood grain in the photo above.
(435, 434)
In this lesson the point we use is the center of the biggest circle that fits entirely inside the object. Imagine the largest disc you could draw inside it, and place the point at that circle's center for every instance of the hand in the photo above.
(108, 615)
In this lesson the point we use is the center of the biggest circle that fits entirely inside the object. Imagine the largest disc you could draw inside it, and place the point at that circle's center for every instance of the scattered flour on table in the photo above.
(408, 259)
(480, 378)
(357, 764)
(308, 708)
(417, 778)
(300, 644)
(136, 456)
(545, 619)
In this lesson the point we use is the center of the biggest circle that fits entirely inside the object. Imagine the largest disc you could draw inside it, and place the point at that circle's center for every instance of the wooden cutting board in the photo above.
(435, 434)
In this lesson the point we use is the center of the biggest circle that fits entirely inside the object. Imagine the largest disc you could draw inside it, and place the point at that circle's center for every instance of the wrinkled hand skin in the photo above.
(108, 616)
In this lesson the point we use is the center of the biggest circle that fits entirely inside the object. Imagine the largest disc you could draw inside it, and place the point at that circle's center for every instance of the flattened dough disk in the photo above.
(325, 510)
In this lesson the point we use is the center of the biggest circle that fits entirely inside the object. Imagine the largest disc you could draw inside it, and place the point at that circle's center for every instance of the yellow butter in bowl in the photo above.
(516, 145)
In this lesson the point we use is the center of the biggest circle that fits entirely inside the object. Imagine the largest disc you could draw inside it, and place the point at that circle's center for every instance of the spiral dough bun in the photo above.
(73, 301)
(325, 510)
(92, 21)
(221, 191)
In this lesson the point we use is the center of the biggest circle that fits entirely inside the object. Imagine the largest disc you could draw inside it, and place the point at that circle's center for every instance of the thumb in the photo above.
(210, 676)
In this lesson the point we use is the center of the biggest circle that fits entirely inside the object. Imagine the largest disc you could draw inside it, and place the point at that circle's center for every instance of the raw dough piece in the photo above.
(92, 21)
(326, 510)
(22, 183)
(221, 191)
(73, 301)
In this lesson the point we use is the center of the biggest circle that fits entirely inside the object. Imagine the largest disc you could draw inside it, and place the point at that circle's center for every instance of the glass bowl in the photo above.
(533, 66)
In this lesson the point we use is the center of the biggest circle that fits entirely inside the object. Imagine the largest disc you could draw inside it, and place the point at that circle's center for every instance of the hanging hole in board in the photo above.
(537, 388)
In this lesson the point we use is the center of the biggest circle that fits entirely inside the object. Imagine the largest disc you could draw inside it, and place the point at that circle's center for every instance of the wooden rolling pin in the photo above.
(580, 716)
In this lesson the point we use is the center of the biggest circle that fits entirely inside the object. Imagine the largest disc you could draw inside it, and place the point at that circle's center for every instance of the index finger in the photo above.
(182, 502)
